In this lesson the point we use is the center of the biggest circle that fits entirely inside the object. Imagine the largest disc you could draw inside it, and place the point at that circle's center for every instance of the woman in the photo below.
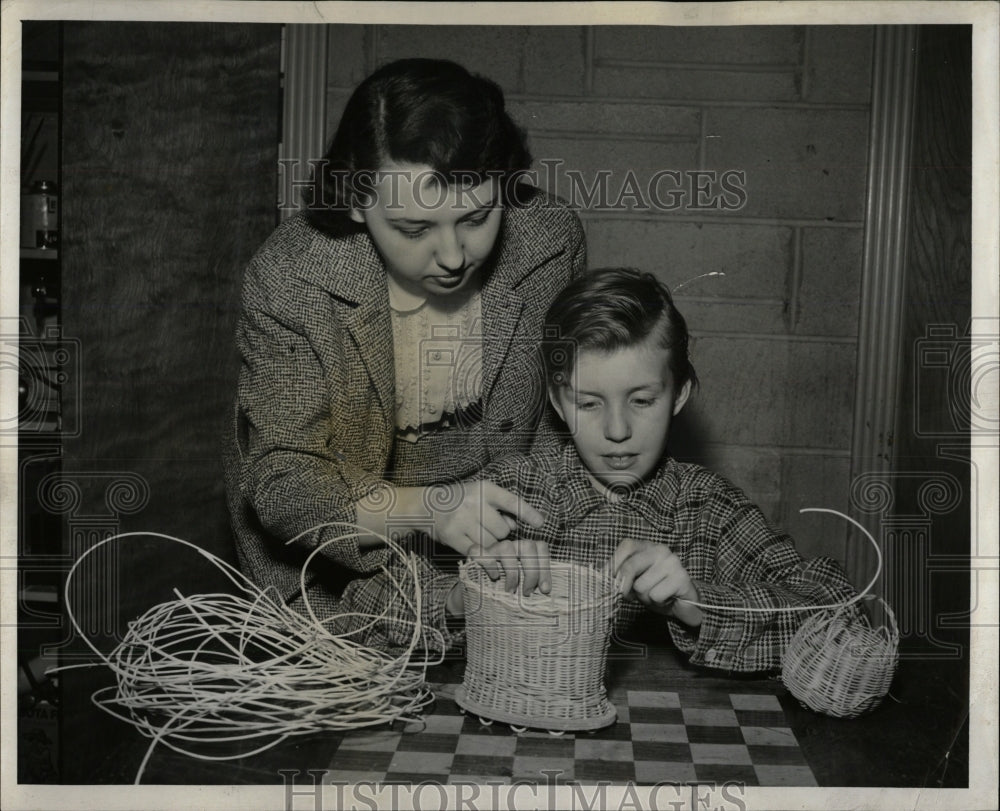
(389, 341)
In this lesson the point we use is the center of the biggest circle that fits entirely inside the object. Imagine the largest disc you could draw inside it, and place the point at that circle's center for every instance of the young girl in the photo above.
(388, 339)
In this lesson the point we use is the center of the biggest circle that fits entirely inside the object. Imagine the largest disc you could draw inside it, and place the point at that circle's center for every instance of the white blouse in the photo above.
(438, 352)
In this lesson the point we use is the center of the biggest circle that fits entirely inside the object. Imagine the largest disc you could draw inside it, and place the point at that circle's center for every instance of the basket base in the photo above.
(555, 724)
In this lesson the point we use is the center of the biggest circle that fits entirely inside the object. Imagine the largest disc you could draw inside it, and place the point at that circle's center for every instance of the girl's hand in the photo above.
(523, 561)
(654, 576)
(475, 519)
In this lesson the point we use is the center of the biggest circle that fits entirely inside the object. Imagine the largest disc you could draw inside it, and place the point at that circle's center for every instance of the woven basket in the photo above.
(539, 661)
(838, 664)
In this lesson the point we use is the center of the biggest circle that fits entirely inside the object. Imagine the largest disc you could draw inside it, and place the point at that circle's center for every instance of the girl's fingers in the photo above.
(623, 552)
(544, 570)
(484, 554)
(506, 553)
(628, 564)
(657, 570)
(535, 568)
(662, 591)
(624, 578)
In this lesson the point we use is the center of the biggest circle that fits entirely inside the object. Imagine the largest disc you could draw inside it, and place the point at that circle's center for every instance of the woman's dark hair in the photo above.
(420, 111)
(609, 309)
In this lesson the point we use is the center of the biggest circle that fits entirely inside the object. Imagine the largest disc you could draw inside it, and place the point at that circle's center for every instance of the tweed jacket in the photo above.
(314, 415)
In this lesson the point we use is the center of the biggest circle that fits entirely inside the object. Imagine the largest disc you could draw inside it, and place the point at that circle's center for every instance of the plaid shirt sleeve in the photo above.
(737, 561)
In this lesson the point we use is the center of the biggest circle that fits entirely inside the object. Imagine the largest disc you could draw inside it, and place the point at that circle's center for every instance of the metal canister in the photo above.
(40, 216)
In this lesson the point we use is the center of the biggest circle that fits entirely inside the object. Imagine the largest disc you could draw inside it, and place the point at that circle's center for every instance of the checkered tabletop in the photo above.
(693, 735)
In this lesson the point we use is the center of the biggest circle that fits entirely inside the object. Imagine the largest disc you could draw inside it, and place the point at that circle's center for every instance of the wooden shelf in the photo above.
(48, 254)
(39, 75)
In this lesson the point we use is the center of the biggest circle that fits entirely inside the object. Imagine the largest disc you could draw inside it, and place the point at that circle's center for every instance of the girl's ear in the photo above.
(357, 215)
(682, 397)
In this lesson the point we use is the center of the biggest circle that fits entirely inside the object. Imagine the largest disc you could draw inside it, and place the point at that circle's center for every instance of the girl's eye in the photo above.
(643, 402)
(413, 233)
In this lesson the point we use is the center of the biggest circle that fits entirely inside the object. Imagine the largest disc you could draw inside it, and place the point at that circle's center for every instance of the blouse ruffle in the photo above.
(438, 353)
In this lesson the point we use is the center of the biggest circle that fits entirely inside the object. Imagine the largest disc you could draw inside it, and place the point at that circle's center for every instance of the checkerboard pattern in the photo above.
(690, 736)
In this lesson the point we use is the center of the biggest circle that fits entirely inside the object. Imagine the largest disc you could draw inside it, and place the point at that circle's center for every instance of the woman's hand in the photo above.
(654, 576)
(475, 519)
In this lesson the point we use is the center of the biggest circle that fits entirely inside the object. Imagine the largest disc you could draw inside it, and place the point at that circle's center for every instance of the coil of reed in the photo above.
(212, 669)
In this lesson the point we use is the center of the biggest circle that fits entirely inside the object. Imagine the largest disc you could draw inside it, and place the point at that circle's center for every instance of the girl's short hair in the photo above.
(609, 309)
(420, 111)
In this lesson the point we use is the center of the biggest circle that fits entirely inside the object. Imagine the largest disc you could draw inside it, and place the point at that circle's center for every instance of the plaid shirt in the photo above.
(733, 557)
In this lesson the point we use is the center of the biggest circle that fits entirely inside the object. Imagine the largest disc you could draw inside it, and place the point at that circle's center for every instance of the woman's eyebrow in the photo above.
(409, 220)
(478, 212)
(481, 207)
(487, 206)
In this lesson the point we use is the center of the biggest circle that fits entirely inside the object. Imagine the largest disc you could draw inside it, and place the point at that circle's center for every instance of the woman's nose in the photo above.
(616, 425)
(449, 254)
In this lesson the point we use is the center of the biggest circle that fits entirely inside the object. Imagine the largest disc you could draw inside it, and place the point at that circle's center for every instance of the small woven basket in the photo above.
(838, 664)
(539, 661)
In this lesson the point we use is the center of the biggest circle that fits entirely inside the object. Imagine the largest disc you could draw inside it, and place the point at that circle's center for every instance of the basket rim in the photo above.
(536, 602)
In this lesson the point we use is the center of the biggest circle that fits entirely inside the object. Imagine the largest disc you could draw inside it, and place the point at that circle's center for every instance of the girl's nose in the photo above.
(616, 425)
(449, 255)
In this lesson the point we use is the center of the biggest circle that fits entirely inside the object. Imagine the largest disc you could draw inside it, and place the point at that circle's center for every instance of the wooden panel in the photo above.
(170, 148)
(169, 155)
(883, 272)
(932, 434)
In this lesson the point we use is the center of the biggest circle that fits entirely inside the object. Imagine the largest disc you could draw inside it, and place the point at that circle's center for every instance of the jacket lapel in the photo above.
(525, 245)
(501, 314)
(354, 274)
(371, 327)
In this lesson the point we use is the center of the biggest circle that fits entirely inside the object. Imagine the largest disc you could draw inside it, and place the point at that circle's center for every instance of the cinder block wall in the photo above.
(787, 106)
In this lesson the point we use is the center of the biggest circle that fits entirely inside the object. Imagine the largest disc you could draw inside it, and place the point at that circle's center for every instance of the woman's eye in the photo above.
(587, 405)
(643, 402)
(413, 233)
(479, 218)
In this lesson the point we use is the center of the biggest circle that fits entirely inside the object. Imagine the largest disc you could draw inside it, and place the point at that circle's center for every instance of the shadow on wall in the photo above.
(689, 437)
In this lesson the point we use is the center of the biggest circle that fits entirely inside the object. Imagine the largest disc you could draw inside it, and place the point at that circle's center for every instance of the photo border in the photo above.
(983, 16)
